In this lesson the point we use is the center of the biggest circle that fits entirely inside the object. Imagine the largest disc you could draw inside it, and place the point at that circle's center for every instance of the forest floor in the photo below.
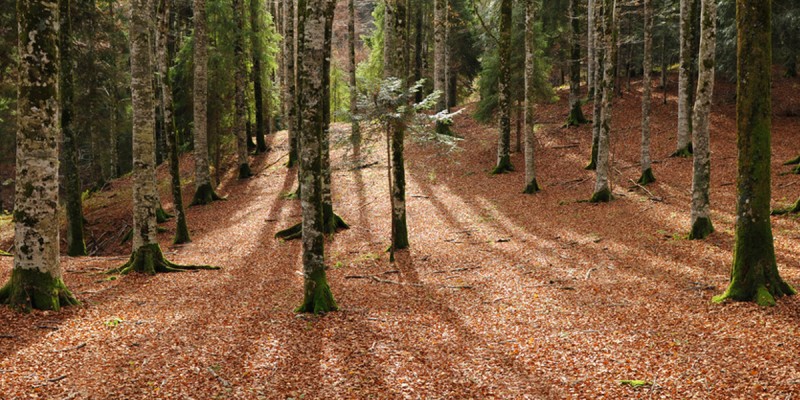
(502, 295)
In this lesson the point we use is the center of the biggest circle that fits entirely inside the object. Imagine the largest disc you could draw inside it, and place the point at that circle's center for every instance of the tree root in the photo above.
(685, 152)
(333, 225)
(503, 167)
(592, 166)
(762, 295)
(291, 233)
(647, 177)
(793, 209)
(162, 215)
(317, 298)
(205, 194)
(701, 228)
(149, 259)
(603, 196)
(533, 187)
(32, 289)
(244, 171)
(793, 161)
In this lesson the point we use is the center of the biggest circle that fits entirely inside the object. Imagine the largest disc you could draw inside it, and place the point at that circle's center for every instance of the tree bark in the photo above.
(163, 62)
(504, 90)
(204, 191)
(647, 89)
(36, 278)
(312, 18)
(590, 48)
(684, 148)
(439, 50)
(531, 185)
(355, 128)
(240, 114)
(701, 213)
(576, 116)
(76, 245)
(597, 98)
(290, 76)
(258, 91)
(602, 189)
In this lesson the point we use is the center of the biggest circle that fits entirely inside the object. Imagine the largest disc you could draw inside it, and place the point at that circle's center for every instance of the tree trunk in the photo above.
(311, 91)
(597, 102)
(36, 278)
(602, 189)
(394, 50)
(163, 62)
(684, 148)
(531, 185)
(355, 128)
(504, 90)
(258, 91)
(647, 84)
(204, 191)
(754, 276)
(576, 116)
(240, 114)
(289, 95)
(76, 245)
(419, 33)
(701, 213)
(590, 49)
(439, 50)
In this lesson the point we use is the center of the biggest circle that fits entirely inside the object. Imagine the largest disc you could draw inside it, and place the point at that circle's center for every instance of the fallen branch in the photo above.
(566, 146)
(441, 271)
(652, 196)
(80, 346)
(55, 328)
(589, 273)
(7, 336)
(219, 378)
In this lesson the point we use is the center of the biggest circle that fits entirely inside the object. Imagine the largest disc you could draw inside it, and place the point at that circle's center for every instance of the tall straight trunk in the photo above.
(311, 91)
(204, 191)
(76, 245)
(146, 256)
(647, 66)
(684, 84)
(597, 99)
(289, 95)
(98, 147)
(419, 34)
(36, 278)
(576, 116)
(590, 48)
(355, 128)
(602, 189)
(163, 63)
(531, 185)
(439, 50)
(394, 50)
(701, 213)
(504, 90)
(258, 90)
(754, 276)
(240, 114)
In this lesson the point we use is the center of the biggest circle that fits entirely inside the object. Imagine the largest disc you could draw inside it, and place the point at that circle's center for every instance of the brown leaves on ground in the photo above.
(502, 295)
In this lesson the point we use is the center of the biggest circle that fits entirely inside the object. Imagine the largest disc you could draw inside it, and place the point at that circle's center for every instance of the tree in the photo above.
(504, 90)
(290, 75)
(317, 296)
(602, 189)
(439, 52)
(355, 132)
(165, 101)
(204, 191)
(647, 84)
(258, 91)
(754, 275)
(394, 66)
(531, 185)
(597, 97)
(240, 114)
(701, 213)
(76, 245)
(684, 148)
(36, 278)
(146, 256)
(591, 72)
(576, 116)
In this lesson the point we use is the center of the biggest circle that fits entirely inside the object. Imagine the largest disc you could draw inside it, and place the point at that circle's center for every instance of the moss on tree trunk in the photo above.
(32, 289)
(317, 295)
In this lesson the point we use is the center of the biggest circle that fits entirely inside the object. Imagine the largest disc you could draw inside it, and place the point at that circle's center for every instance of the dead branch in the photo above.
(80, 346)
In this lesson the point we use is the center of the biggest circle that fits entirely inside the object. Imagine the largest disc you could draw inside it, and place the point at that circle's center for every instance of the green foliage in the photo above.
(371, 71)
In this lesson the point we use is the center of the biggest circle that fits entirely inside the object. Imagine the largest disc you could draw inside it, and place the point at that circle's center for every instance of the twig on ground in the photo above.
(219, 378)
(80, 346)
(566, 146)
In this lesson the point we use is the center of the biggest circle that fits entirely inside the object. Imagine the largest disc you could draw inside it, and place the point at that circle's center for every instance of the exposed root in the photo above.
(533, 187)
(762, 295)
(685, 152)
(291, 233)
(701, 228)
(162, 215)
(602, 196)
(205, 194)
(793, 209)
(245, 172)
(647, 177)
(32, 289)
(318, 298)
(793, 161)
(503, 167)
(333, 225)
(149, 259)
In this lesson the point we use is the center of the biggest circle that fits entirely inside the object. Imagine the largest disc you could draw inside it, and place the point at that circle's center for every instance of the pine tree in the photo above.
(36, 278)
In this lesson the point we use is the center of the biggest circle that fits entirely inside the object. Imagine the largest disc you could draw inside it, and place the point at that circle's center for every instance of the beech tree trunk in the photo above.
(204, 191)
(597, 98)
(647, 65)
(684, 81)
(504, 90)
(576, 116)
(531, 185)
(590, 48)
(258, 91)
(355, 132)
(163, 62)
(395, 47)
(289, 95)
(312, 18)
(754, 276)
(701, 213)
(76, 245)
(439, 50)
(240, 114)
(602, 189)
(36, 278)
